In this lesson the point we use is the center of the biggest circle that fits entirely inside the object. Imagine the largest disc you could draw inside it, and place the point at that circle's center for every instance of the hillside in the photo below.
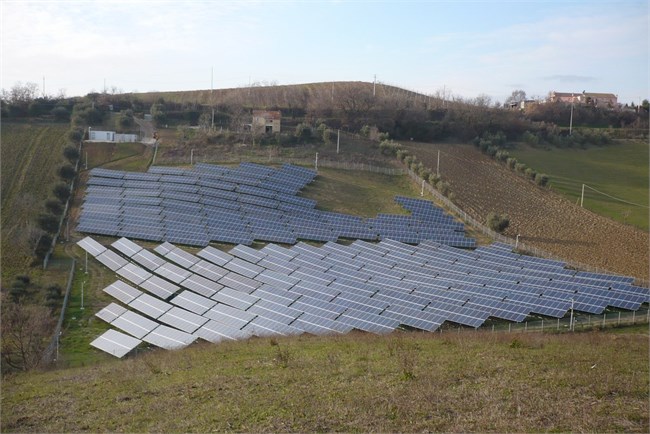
(594, 381)
(543, 218)
(31, 154)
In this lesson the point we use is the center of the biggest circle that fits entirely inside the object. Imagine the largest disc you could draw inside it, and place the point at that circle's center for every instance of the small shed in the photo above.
(265, 121)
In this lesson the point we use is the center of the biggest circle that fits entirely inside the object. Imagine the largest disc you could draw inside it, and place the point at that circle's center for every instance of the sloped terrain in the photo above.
(542, 218)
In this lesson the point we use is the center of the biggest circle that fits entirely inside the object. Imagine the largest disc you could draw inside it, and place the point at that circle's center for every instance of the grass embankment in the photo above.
(619, 170)
(30, 155)
(594, 381)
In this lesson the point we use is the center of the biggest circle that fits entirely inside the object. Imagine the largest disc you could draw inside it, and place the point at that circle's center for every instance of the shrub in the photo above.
(408, 160)
(60, 113)
(443, 188)
(48, 222)
(511, 162)
(502, 155)
(54, 206)
(433, 179)
(541, 179)
(401, 154)
(67, 172)
(520, 167)
(530, 173)
(62, 192)
(365, 131)
(75, 135)
(498, 222)
(71, 153)
(303, 131)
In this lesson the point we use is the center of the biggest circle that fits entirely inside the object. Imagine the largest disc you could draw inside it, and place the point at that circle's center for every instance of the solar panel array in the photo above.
(238, 205)
(170, 297)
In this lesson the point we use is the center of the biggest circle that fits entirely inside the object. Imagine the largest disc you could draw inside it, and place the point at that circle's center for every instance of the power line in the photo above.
(615, 198)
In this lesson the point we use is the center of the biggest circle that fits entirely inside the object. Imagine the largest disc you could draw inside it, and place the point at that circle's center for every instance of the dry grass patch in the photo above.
(592, 381)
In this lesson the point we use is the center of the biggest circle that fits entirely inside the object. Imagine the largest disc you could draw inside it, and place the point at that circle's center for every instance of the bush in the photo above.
(303, 131)
(48, 222)
(530, 173)
(54, 207)
(60, 114)
(498, 222)
(71, 154)
(408, 160)
(511, 162)
(541, 179)
(75, 135)
(365, 131)
(502, 155)
(433, 179)
(443, 188)
(520, 167)
(62, 192)
(67, 172)
(401, 154)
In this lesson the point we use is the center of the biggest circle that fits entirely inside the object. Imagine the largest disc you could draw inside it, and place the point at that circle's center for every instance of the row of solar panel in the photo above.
(342, 279)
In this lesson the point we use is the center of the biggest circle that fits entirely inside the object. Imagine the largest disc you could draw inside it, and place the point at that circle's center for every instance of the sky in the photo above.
(462, 48)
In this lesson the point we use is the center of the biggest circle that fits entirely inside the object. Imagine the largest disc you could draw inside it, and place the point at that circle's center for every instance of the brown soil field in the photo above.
(542, 218)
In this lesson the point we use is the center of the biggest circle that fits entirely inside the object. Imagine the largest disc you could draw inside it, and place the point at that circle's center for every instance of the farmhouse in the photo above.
(585, 98)
(266, 121)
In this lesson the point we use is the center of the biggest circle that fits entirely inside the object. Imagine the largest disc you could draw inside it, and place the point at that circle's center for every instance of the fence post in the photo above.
(558, 323)
(619, 318)
(542, 324)
(633, 315)
(509, 325)
(526, 326)
(604, 317)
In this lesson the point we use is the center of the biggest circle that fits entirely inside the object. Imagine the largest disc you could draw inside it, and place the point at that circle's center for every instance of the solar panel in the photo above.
(134, 324)
(126, 247)
(214, 331)
(134, 273)
(122, 291)
(230, 316)
(169, 338)
(159, 287)
(115, 343)
(151, 306)
(110, 312)
(91, 246)
(112, 260)
(193, 302)
(182, 319)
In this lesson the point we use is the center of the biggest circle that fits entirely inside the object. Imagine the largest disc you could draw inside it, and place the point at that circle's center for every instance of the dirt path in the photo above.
(542, 218)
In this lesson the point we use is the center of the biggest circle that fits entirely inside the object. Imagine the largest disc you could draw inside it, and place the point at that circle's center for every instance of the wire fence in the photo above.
(51, 352)
(579, 322)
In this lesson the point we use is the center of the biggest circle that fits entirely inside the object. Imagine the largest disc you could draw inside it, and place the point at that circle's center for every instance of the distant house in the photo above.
(585, 98)
(563, 97)
(265, 121)
(599, 99)
(111, 136)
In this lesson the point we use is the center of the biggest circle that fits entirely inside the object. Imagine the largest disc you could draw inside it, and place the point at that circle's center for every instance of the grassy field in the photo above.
(359, 193)
(30, 155)
(481, 382)
(619, 170)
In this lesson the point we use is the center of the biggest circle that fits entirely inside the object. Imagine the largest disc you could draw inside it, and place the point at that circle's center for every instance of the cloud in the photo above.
(570, 78)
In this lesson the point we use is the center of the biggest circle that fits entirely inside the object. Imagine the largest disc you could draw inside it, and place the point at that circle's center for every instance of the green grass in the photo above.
(619, 170)
(359, 193)
(481, 382)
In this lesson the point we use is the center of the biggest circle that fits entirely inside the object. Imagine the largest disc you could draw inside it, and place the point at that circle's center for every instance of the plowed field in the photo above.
(542, 218)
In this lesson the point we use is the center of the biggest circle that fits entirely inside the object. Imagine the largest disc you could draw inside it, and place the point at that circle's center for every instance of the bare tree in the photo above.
(25, 332)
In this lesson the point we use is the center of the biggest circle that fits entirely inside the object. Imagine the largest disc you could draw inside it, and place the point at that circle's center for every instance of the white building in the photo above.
(111, 136)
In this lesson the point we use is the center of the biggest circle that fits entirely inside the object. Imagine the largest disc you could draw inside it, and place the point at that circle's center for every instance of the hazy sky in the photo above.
(464, 47)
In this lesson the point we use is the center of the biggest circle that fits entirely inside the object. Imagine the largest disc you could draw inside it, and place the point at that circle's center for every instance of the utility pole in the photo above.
(192, 156)
(438, 165)
(582, 196)
(338, 141)
(571, 119)
(82, 295)
(212, 96)
(316, 164)
(422, 191)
